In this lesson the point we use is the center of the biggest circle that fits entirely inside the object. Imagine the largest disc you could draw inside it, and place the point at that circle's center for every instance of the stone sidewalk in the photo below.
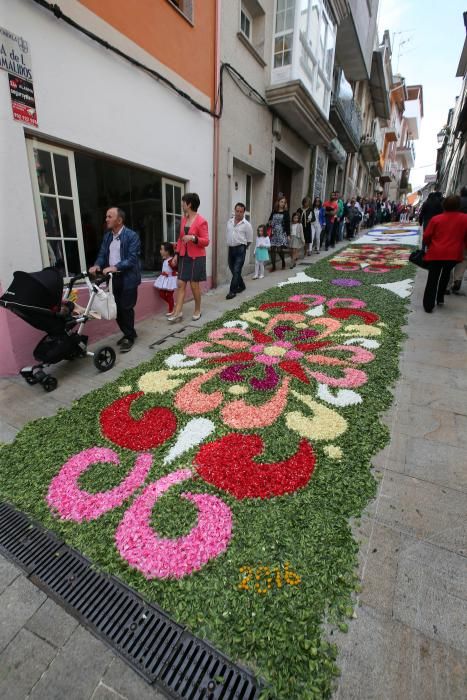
(409, 638)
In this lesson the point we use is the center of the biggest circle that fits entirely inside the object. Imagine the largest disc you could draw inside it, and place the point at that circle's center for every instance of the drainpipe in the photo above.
(216, 147)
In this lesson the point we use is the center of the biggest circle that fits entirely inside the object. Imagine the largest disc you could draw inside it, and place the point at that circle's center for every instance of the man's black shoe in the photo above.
(126, 344)
(119, 342)
(230, 295)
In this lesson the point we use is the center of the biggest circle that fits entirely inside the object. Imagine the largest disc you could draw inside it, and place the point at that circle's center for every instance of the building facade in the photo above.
(108, 133)
(451, 161)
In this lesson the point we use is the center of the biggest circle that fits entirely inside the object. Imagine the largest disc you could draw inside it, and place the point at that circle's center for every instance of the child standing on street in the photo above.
(297, 239)
(261, 251)
(166, 283)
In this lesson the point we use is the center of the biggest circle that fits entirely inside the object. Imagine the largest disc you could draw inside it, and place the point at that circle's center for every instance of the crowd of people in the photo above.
(303, 232)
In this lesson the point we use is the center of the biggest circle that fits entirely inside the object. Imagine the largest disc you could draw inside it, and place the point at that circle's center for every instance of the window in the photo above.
(57, 208)
(172, 193)
(245, 23)
(73, 190)
(317, 39)
(185, 7)
(283, 40)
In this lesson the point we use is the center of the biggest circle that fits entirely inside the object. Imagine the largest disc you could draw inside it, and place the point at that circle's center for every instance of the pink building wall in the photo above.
(19, 339)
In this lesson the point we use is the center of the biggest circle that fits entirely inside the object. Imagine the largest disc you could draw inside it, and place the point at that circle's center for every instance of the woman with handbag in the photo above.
(446, 238)
(279, 220)
(191, 253)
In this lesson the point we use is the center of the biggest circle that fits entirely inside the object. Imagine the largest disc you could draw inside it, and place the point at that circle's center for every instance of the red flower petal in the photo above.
(306, 347)
(367, 316)
(153, 428)
(261, 338)
(294, 368)
(228, 464)
(234, 357)
(285, 306)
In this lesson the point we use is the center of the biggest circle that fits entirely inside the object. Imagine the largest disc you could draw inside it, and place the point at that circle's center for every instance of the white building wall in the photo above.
(88, 98)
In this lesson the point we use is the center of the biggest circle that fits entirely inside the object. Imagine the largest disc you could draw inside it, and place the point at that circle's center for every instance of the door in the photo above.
(242, 182)
(282, 181)
(55, 192)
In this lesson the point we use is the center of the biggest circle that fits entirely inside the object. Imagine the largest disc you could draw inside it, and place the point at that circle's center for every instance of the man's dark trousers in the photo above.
(330, 233)
(236, 261)
(125, 300)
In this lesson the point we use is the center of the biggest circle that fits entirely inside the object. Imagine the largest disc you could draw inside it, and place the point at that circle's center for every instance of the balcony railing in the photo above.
(369, 149)
(350, 117)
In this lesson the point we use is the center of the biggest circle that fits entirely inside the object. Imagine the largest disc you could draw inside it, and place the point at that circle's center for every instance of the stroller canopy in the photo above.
(36, 298)
(43, 289)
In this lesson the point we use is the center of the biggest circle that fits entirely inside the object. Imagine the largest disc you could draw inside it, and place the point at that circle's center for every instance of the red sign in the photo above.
(22, 100)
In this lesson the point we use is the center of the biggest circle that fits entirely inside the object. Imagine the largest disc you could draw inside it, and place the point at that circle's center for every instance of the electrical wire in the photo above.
(55, 9)
(240, 81)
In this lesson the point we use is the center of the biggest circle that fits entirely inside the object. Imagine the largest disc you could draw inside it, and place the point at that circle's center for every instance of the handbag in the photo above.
(104, 302)
(417, 258)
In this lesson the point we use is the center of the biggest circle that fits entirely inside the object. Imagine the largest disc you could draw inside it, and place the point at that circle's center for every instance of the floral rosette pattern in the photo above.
(374, 259)
(301, 361)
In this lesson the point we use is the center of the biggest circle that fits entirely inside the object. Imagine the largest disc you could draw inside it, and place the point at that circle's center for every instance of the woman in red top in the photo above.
(446, 238)
(191, 250)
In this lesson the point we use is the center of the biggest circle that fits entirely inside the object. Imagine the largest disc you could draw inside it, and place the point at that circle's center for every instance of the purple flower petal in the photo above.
(269, 382)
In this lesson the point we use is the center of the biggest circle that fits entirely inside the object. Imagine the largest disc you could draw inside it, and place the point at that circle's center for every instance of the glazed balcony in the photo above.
(369, 149)
(345, 116)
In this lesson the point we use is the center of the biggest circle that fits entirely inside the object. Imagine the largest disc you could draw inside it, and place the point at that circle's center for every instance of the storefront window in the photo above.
(73, 191)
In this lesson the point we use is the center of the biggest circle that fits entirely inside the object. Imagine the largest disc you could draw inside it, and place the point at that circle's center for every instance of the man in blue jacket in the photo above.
(119, 252)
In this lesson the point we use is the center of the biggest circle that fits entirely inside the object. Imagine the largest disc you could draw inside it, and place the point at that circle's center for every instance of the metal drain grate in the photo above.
(141, 633)
(157, 648)
(197, 670)
(24, 542)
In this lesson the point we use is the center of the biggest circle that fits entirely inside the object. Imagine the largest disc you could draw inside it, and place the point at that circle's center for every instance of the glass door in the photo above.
(172, 192)
(56, 201)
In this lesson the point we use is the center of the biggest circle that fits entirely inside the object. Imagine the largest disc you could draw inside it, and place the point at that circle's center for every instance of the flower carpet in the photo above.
(219, 478)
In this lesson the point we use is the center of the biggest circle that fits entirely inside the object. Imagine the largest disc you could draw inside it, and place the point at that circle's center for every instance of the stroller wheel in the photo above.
(49, 383)
(30, 379)
(104, 358)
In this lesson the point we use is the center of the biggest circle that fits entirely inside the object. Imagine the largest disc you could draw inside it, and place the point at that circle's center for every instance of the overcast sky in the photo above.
(427, 51)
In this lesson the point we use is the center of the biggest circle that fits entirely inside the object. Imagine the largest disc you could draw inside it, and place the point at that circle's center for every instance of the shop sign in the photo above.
(15, 56)
(22, 100)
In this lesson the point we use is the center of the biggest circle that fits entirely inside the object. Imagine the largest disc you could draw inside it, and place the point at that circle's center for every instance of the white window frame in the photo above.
(173, 183)
(284, 33)
(185, 8)
(32, 144)
(249, 18)
(318, 69)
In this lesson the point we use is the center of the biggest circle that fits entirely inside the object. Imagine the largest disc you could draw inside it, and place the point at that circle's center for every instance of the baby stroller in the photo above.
(38, 298)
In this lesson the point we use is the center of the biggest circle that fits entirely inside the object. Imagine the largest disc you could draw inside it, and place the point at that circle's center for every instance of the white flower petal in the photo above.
(179, 360)
(402, 288)
(236, 324)
(315, 311)
(194, 432)
(299, 278)
(343, 397)
(364, 342)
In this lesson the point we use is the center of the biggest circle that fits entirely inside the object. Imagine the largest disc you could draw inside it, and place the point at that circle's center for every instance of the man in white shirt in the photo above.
(239, 237)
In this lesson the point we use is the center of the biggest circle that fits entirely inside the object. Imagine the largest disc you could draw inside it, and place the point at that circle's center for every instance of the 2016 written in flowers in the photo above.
(261, 579)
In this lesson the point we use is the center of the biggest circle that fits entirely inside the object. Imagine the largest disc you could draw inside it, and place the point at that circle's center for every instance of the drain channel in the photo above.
(155, 646)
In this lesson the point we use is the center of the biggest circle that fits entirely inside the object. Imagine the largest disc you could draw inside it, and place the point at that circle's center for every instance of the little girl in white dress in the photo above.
(166, 283)
(261, 251)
